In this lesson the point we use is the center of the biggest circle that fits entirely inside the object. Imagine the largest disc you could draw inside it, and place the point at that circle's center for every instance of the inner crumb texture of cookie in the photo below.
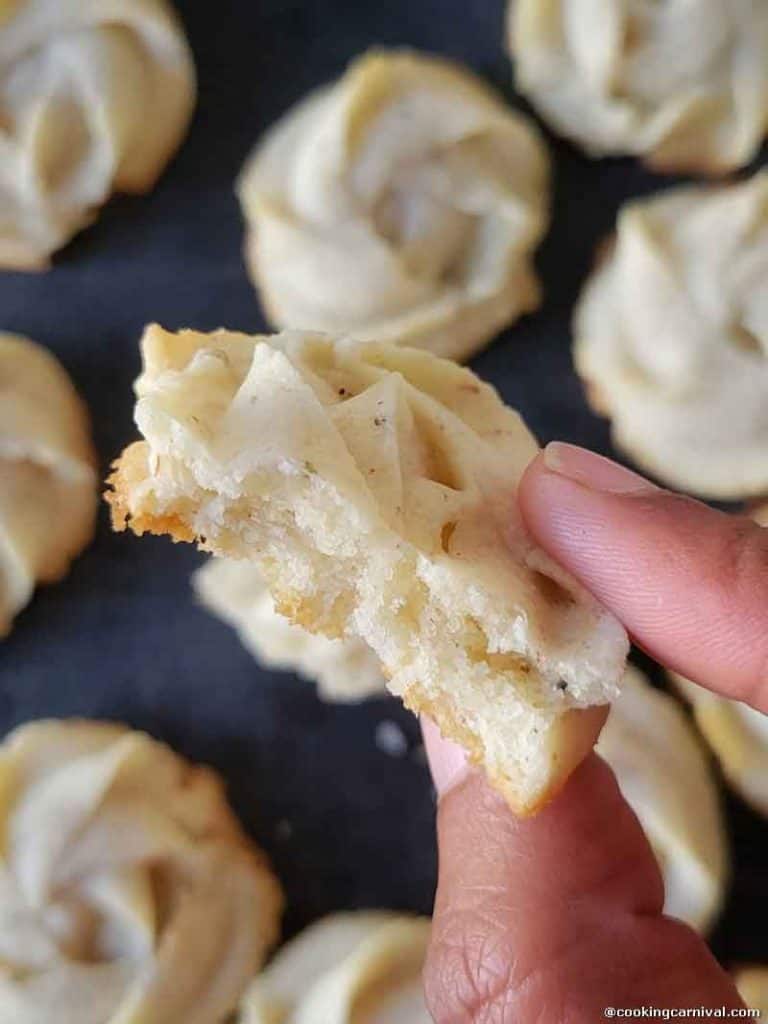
(329, 578)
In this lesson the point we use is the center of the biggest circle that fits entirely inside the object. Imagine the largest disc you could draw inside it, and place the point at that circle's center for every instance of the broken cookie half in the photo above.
(374, 487)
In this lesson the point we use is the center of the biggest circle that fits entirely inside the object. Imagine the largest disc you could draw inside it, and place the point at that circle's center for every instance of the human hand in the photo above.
(554, 919)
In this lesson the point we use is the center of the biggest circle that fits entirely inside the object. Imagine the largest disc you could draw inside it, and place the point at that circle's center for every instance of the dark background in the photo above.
(345, 823)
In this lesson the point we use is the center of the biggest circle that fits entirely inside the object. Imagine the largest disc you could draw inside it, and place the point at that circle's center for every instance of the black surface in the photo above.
(346, 824)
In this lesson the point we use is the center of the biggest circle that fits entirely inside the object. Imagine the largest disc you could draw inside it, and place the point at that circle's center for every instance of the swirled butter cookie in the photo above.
(738, 735)
(402, 203)
(47, 473)
(671, 337)
(344, 670)
(752, 983)
(664, 775)
(374, 488)
(354, 968)
(94, 99)
(128, 891)
(682, 84)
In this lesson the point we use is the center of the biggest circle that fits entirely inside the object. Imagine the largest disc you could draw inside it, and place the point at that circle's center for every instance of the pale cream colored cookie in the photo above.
(752, 983)
(738, 734)
(374, 488)
(402, 203)
(47, 473)
(128, 891)
(344, 670)
(351, 968)
(664, 775)
(94, 99)
(682, 84)
(671, 337)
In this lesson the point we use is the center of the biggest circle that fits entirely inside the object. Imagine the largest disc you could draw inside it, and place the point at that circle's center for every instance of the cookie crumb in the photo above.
(390, 738)
(283, 830)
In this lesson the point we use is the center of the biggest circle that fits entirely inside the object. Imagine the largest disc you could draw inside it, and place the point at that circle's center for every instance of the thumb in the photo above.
(688, 582)
(556, 917)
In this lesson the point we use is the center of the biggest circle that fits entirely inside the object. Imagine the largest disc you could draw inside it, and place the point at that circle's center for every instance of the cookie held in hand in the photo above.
(374, 487)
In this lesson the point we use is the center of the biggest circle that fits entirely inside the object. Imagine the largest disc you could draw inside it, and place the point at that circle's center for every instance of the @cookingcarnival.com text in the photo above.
(683, 1013)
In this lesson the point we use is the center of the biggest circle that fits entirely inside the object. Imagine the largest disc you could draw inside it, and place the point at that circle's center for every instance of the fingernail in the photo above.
(593, 471)
(448, 761)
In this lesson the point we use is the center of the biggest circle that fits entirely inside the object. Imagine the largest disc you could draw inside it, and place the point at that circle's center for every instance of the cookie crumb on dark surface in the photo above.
(390, 738)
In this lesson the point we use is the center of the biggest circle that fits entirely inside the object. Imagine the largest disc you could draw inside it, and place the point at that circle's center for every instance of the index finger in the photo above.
(689, 583)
